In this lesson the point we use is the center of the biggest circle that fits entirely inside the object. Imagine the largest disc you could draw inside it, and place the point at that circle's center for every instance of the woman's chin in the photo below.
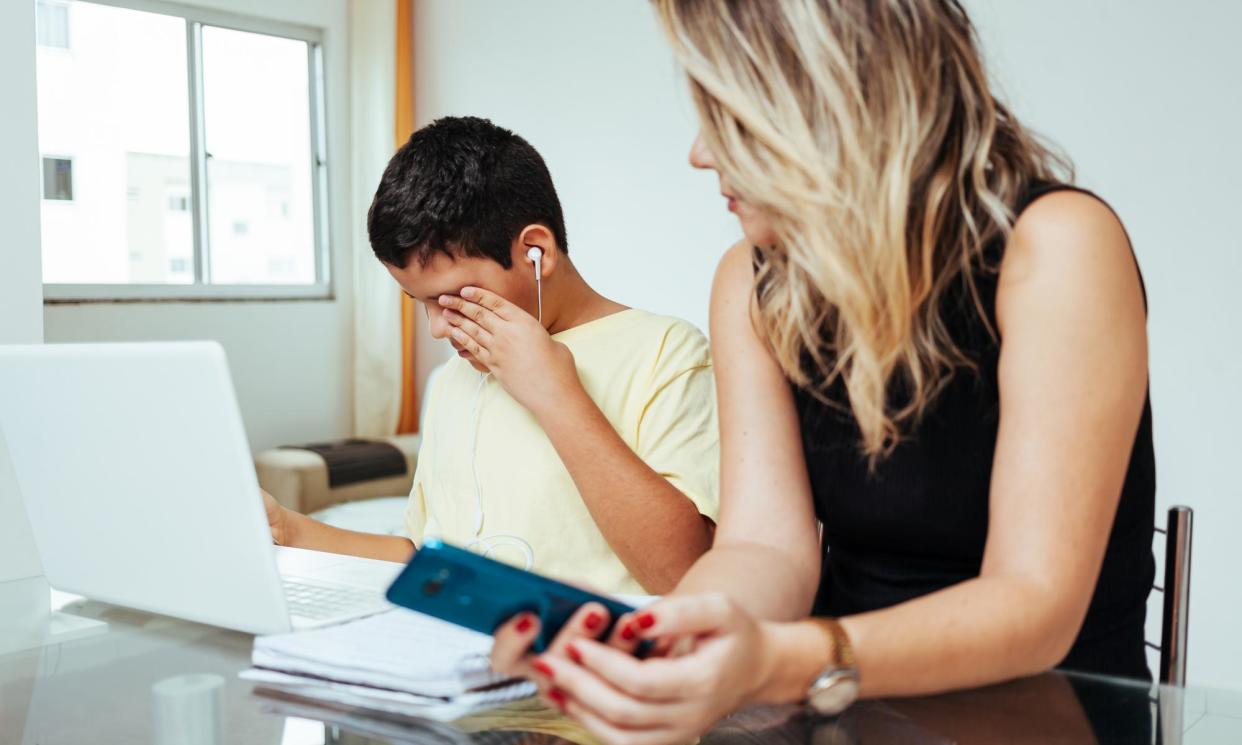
(756, 229)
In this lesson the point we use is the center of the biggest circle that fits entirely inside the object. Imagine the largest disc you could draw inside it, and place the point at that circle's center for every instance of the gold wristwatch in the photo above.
(834, 689)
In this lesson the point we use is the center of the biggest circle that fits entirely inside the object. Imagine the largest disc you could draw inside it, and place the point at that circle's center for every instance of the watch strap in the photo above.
(839, 641)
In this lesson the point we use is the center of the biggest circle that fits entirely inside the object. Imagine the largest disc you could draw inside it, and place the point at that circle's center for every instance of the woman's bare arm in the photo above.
(1073, 379)
(766, 552)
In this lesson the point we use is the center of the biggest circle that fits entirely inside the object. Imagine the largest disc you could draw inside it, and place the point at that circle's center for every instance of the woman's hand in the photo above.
(622, 699)
(536, 370)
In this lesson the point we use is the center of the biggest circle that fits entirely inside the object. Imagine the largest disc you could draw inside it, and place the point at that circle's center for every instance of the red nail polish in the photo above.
(558, 697)
(574, 654)
(542, 668)
(627, 632)
(524, 624)
(592, 621)
(646, 620)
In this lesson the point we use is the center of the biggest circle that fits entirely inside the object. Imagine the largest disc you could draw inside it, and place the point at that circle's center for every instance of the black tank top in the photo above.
(918, 522)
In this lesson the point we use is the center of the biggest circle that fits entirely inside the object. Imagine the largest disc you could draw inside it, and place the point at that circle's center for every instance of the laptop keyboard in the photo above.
(319, 602)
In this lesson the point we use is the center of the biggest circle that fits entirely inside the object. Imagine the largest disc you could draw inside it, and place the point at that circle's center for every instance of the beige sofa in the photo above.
(298, 479)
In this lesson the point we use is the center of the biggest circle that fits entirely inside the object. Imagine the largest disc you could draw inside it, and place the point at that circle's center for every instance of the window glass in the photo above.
(114, 131)
(256, 99)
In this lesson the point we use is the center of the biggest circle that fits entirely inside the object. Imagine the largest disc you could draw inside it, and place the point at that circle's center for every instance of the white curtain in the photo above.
(377, 304)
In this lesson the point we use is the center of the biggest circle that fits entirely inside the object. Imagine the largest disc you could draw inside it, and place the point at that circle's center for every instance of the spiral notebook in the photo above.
(399, 661)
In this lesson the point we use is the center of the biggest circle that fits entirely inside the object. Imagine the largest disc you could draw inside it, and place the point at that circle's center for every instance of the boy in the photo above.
(571, 435)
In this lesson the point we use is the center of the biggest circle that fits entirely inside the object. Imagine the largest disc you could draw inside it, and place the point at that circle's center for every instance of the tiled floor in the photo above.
(1214, 729)
(1212, 717)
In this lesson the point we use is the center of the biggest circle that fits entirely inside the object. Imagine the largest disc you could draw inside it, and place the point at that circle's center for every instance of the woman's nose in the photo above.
(700, 156)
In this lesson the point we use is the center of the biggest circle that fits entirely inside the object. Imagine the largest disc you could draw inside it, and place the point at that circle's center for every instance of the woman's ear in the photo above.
(536, 236)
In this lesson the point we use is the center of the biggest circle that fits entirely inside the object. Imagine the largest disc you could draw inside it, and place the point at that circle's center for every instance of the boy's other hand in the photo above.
(277, 519)
(514, 347)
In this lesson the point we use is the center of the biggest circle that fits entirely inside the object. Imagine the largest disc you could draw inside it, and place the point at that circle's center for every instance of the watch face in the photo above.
(833, 693)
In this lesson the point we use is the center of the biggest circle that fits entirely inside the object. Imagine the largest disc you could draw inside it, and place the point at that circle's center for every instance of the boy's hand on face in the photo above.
(535, 369)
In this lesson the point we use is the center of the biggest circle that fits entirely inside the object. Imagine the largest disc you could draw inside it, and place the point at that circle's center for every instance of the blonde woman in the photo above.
(927, 343)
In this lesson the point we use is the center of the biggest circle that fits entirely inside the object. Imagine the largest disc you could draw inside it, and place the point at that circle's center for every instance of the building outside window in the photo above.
(183, 156)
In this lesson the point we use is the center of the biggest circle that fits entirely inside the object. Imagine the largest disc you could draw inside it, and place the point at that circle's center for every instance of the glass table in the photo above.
(98, 689)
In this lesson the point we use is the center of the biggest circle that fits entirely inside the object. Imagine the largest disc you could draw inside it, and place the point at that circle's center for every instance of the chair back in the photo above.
(1175, 619)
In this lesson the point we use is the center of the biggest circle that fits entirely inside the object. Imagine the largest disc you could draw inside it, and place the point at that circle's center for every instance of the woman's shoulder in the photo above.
(1068, 217)
(1068, 245)
(734, 282)
(737, 264)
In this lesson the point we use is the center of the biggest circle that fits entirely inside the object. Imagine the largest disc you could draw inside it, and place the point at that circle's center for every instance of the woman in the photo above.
(924, 341)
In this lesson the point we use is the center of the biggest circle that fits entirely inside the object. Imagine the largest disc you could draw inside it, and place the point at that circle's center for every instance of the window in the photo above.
(52, 24)
(58, 179)
(183, 154)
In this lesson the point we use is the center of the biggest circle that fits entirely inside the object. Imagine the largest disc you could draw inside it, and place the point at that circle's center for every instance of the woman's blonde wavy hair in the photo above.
(867, 132)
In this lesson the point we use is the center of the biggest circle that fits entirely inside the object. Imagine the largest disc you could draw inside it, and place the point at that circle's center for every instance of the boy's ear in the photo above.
(536, 236)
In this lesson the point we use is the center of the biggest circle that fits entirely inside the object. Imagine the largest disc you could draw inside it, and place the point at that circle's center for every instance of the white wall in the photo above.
(21, 289)
(592, 86)
(291, 361)
(1141, 93)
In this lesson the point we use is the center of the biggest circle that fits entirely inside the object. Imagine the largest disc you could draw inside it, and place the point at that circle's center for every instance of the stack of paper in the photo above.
(398, 662)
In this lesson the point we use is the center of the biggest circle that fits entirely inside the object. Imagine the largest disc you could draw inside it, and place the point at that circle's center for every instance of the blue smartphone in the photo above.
(470, 590)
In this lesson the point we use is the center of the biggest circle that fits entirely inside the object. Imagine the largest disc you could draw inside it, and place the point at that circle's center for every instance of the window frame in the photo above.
(202, 289)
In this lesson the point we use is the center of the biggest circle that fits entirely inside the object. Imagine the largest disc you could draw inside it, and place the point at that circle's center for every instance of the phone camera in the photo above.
(432, 587)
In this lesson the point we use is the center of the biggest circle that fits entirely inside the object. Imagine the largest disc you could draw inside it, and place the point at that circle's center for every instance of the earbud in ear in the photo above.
(535, 254)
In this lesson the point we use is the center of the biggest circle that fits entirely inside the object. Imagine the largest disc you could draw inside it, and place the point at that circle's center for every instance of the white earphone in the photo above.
(487, 544)
(535, 254)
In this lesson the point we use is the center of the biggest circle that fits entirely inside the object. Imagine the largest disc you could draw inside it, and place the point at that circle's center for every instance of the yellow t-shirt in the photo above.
(651, 377)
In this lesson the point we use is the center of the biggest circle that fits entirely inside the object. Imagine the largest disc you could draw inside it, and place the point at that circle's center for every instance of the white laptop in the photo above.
(135, 471)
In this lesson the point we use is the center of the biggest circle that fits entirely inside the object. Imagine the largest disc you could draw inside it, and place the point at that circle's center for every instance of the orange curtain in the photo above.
(403, 127)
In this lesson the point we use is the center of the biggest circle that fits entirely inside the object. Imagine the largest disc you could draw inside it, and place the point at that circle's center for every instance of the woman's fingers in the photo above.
(586, 623)
(570, 682)
(649, 680)
(608, 703)
(624, 635)
(512, 643)
(511, 648)
(685, 616)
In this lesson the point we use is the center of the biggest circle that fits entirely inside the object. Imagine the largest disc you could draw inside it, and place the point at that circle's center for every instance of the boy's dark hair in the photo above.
(464, 187)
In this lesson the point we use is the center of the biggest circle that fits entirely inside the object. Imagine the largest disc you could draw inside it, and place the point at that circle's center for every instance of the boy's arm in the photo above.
(654, 528)
(296, 530)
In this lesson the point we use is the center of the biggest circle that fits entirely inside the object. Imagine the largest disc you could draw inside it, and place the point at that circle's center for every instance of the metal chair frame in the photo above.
(1175, 618)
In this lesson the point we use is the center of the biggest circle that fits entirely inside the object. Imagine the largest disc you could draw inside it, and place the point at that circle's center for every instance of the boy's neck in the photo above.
(568, 301)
